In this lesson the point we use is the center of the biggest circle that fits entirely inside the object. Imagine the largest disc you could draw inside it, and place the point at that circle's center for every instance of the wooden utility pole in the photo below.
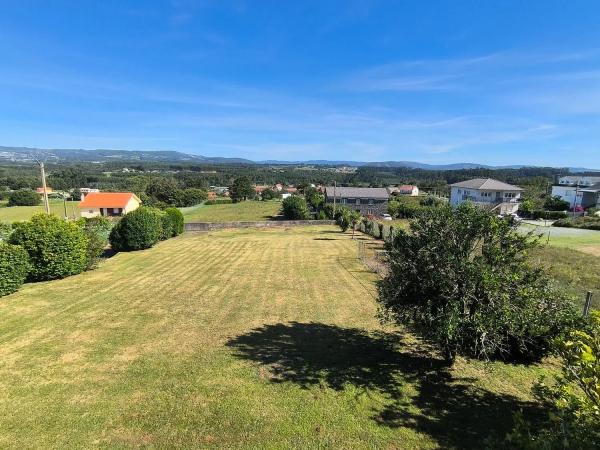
(334, 186)
(46, 204)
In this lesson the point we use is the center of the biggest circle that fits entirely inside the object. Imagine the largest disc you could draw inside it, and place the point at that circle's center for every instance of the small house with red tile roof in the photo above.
(108, 204)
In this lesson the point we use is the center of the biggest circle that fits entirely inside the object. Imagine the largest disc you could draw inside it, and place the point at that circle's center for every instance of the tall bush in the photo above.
(295, 208)
(56, 248)
(14, 266)
(462, 279)
(176, 220)
(24, 197)
(137, 230)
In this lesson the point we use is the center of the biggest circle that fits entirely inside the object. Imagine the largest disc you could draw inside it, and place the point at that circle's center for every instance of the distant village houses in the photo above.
(578, 191)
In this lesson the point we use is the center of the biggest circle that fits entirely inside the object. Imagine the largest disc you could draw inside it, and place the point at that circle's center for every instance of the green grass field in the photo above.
(248, 211)
(236, 339)
(17, 213)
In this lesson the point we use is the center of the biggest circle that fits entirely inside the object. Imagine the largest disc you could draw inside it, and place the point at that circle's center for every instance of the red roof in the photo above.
(107, 199)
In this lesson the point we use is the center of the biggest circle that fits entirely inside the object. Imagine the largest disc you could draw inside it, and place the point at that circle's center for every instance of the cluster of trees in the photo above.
(144, 227)
(405, 207)
(47, 247)
(23, 197)
(162, 192)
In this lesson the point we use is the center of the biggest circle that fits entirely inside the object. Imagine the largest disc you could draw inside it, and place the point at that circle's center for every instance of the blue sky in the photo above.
(498, 82)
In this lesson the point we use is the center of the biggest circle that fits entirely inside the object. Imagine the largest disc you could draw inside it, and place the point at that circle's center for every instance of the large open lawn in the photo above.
(244, 338)
(17, 213)
(248, 211)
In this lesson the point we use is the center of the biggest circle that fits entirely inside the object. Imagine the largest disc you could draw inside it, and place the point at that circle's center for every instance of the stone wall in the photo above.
(212, 226)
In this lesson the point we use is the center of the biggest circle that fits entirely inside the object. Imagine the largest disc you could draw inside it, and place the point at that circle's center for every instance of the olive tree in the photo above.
(461, 277)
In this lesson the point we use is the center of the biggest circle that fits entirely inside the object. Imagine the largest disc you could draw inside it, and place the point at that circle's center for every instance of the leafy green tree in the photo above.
(14, 267)
(342, 218)
(24, 197)
(164, 190)
(137, 230)
(461, 277)
(56, 248)
(191, 197)
(355, 218)
(556, 204)
(241, 189)
(402, 209)
(527, 207)
(177, 220)
(314, 198)
(269, 194)
(295, 208)
(573, 401)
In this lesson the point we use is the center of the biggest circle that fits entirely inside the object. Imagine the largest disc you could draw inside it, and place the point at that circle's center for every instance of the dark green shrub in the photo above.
(14, 266)
(191, 197)
(56, 248)
(556, 204)
(166, 226)
(242, 189)
(295, 208)
(219, 201)
(24, 197)
(137, 230)
(97, 230)
(269, 194)
(586, 223)
(548, 215)
(462, 279)
(176, 219)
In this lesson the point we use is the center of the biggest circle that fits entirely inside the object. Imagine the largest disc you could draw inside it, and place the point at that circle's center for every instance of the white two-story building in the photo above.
(500, 197)
(575, 190)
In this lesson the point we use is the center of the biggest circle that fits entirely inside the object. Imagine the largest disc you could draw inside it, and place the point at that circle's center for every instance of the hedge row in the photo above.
(218, 201)
(376, 229)
(144, 227)
(586, 223)
(46, 248)
(548, 215)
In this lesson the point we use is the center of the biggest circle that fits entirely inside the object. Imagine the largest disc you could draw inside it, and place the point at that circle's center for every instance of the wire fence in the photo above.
(374, 256)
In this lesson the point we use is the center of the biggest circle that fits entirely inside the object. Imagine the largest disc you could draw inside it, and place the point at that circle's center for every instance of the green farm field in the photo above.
(18, 213)
(236, 339)
(248, 211)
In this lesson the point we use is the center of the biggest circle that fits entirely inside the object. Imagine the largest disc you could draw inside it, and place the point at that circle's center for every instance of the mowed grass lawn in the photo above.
(236, 339)
(248, 211)
(18, 213)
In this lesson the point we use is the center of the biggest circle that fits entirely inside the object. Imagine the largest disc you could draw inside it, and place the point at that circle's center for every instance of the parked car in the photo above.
(387, 217)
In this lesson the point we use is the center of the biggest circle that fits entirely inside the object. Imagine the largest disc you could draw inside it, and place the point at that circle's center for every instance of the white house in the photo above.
(493, 194)
(406, 189)
(571, 194)
(578, 180)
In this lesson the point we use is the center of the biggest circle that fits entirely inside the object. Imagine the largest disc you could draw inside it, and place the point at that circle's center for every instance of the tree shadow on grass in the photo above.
(451, 410)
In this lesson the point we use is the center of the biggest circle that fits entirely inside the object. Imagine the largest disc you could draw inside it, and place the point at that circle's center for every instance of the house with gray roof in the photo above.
(591, 196)
(369, 201)
(496, 195)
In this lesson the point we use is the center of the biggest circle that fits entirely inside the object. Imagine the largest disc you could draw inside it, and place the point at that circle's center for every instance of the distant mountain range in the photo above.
(25, 154)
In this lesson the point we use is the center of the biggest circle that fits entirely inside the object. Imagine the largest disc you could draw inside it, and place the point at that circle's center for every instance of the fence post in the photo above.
(588, 303)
